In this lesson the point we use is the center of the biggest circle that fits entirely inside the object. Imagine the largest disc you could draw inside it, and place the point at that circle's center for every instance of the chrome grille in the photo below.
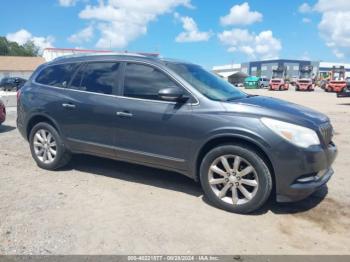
(326, 131)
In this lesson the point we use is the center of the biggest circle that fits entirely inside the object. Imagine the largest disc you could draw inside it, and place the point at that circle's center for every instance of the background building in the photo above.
(265, 68)
(50, 54)
(232, 73)
(325, 67)
(19, 66)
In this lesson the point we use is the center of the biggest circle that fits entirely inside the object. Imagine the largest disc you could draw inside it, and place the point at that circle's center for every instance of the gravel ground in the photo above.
(100, 206)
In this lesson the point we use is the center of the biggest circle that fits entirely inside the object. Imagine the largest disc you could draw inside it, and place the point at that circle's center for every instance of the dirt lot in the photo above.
(98, 206)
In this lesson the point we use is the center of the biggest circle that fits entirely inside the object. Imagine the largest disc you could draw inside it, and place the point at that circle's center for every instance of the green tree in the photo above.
(31, 48)
(8, 48)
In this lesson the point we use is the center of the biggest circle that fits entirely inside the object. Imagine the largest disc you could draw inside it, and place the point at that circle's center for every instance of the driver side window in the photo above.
(143, 81)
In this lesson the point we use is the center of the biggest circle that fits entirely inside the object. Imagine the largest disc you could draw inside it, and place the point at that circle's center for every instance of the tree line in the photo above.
(8, 48)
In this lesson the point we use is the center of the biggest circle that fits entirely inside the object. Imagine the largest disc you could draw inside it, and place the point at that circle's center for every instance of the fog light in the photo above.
(307, 179)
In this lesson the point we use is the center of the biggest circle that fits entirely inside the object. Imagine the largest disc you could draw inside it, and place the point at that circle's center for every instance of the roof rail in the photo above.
(98, 54)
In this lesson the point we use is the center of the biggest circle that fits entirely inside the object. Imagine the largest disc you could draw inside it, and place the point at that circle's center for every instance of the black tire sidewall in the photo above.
(61, 151)
(263, 173)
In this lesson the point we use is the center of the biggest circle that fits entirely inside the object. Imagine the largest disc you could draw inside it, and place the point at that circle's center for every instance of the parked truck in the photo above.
(336, 82)
(279, 79)
(305, 81)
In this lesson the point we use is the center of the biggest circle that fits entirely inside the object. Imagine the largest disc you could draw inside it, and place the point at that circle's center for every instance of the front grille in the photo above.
(326, 131)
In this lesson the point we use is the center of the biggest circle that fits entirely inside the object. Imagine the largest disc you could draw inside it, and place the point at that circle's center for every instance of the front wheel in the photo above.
(235, 178)
(47, 147)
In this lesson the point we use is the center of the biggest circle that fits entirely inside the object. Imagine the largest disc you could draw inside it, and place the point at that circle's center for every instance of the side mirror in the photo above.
(173, 94)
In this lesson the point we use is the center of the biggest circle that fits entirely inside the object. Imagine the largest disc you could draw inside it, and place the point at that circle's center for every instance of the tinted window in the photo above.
(101, 77)
(57, 75)
(142, 81)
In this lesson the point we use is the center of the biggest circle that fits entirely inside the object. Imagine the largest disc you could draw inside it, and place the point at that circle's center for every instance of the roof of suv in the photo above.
(107, 56)
(99, 56)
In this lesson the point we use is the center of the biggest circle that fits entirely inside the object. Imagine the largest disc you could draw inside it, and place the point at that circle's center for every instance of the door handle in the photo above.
(124, 114)
(68, 105)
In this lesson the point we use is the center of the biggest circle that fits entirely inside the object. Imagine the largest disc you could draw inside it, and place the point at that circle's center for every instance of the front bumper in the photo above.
(301, 176)
(305, 87)
(299, 191)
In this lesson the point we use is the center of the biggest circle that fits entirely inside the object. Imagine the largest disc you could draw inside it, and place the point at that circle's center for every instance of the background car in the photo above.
(12, 83)
(2, 112)
(264, 82)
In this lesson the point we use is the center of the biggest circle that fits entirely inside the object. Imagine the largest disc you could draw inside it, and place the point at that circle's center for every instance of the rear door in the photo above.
(151, 130)
(87, 111)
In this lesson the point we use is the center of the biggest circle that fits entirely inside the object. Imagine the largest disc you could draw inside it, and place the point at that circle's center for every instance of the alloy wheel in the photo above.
(45, 146)
(233, 179)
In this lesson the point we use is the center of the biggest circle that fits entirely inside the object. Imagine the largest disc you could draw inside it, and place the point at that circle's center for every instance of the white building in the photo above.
(325, 67)
(50, 54)
(232, 73)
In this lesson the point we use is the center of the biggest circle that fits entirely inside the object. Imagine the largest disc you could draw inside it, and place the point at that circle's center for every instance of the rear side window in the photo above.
(99, 77)
(57, 75)
(142, 81)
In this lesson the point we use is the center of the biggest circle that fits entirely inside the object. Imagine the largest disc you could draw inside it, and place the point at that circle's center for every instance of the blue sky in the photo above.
(200, 31)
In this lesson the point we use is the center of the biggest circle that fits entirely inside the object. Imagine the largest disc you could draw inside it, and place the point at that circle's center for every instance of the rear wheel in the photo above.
(235, 178)
(47, 147)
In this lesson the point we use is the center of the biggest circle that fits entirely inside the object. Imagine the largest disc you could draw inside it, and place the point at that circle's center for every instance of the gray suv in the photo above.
(176, 116)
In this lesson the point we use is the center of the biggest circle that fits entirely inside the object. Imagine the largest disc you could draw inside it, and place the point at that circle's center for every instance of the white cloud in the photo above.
(305, 8)
(23, 36)
(334, 5)
(122, 21)
(306, 20)
(82, 36)
(67, 3)
(191, 33)
(334, 27)
(241, 15)
(262, 46)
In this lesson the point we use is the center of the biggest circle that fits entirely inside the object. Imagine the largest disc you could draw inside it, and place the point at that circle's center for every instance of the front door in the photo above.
(151, 130)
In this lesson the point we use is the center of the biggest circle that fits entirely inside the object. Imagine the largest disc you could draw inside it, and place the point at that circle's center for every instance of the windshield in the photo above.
(207, 83)
(277, 74)
(305, 75)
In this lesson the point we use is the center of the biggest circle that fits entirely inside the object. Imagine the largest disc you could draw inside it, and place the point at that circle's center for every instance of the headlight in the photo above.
(297, 135)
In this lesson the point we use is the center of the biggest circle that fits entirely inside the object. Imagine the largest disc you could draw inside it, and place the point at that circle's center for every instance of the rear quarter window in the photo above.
(56, 75)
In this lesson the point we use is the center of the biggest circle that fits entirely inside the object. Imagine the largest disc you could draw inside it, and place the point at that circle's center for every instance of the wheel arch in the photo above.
(233, 140)
(38, 118)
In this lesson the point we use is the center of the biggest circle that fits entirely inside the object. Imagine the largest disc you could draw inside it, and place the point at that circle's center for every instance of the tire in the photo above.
(262, 86)
(258, 194)
(62, 155)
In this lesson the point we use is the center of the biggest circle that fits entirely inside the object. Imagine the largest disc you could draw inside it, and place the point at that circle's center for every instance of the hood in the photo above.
(276, 108)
